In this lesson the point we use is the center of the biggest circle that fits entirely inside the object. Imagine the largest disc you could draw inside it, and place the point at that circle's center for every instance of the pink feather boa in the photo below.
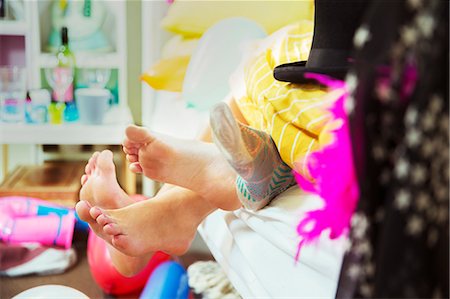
(333, 174)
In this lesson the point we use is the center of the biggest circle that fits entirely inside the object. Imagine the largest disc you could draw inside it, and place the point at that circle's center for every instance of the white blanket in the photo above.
(257, 250)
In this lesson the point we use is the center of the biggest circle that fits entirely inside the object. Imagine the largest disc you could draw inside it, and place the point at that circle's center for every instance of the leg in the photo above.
(168, 222)
(195, 165)
(262, 175)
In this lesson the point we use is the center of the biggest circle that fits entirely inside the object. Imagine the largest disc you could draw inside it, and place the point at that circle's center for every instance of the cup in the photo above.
(56, 113)
(38, 108)
(12, 94)
(92, 103)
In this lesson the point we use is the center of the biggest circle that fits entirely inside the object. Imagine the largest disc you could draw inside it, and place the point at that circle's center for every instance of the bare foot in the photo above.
(100, 188)
(99, 184)
(195, 165)
(167, 222)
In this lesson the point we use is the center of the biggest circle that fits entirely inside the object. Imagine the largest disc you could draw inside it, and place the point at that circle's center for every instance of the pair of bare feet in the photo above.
(204, 178)
(168, 221)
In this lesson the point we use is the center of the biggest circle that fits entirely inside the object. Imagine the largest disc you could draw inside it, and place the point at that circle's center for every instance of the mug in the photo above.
(92, 103)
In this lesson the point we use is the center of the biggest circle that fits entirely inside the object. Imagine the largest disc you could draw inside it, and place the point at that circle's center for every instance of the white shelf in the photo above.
(109, 133)
(10, 27)
(85, 60)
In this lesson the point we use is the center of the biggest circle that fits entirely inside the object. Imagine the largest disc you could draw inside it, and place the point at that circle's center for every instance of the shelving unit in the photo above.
(111, 132)
(114, 28)
(11, 27)
(27, 39)
(35, 29)
(84, 60)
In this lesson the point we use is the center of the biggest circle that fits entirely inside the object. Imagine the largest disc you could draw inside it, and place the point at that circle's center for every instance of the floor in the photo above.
(79, 277)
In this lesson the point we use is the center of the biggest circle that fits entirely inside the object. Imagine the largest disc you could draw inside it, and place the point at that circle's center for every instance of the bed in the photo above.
(257, 250)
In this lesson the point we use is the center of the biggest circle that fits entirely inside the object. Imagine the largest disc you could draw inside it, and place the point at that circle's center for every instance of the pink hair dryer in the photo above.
(31, 220)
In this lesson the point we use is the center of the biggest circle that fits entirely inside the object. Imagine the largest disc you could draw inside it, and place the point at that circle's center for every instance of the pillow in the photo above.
(179, 46)
(193, 18)
(168, 73)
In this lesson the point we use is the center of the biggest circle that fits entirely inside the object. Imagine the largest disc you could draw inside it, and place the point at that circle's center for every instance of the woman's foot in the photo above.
(262, 175)
(195, 165)
(100, 188)
(99, 184)
(167, 222)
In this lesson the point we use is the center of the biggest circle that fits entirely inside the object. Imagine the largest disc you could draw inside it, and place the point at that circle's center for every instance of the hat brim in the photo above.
(294, 72)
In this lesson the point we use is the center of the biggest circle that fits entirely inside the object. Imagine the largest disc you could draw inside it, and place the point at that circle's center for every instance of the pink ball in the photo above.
(106, 275)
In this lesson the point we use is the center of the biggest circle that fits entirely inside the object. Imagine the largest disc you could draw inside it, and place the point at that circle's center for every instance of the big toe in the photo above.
(105, 164)
(90, 166)
(82, 208)
(138, 134)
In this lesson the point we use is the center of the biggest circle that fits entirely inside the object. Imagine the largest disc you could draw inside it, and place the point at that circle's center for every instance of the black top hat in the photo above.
(335, 22)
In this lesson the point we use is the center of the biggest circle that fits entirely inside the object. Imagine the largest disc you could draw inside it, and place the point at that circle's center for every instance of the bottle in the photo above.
(2, 9)
(28, 109)
(66, 74)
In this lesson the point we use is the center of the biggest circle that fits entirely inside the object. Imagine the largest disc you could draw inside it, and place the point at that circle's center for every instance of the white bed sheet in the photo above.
(257, 250)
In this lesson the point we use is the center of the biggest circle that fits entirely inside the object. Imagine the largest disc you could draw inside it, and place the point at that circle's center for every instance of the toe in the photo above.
(112, 229)
(105, 164)
(130, 145)
(137, 134)
(103, 220)
(131, 150)
(132, 158)
(95, 212)
(87, 168)
(136, 167)
(82, 208)
(92, 162)
(84, 178)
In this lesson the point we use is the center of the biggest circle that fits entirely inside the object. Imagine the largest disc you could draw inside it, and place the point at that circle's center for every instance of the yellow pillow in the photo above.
(168, 73)
(193, 18)
(179, 46)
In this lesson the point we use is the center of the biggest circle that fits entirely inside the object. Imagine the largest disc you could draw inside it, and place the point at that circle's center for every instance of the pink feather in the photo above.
(334, 177)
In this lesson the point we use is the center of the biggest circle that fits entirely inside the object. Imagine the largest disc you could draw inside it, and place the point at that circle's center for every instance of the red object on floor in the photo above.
(106, 275)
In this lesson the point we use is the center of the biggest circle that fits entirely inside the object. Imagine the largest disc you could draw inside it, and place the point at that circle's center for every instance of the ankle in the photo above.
(189, 207)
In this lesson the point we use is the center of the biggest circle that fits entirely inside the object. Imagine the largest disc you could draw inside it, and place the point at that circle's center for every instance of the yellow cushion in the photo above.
(193, 18)
(168, 73)
(179, 46)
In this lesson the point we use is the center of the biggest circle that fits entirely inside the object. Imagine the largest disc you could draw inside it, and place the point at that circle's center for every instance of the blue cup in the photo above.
(92, 103)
